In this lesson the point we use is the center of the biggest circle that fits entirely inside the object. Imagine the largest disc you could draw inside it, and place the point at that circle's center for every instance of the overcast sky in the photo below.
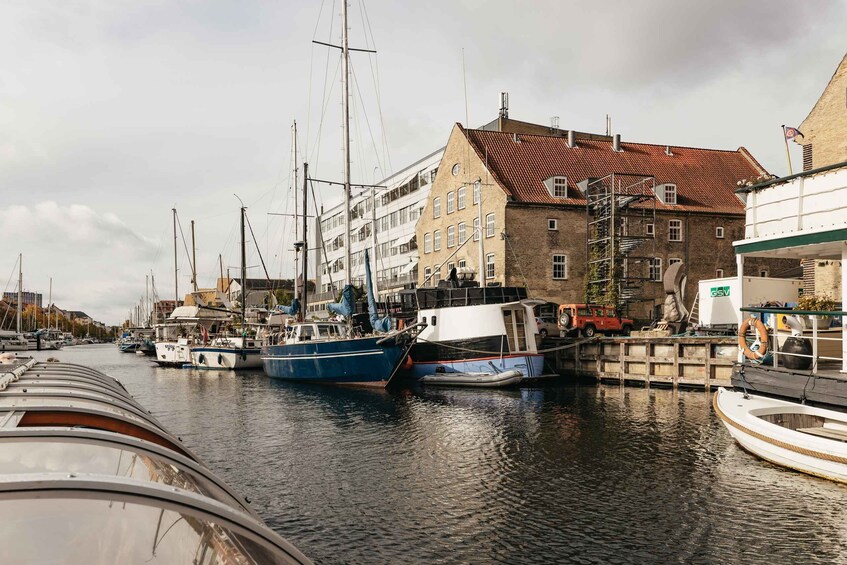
(114, 112)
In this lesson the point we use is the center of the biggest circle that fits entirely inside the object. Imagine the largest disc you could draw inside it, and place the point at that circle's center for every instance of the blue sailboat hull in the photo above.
(360, 361)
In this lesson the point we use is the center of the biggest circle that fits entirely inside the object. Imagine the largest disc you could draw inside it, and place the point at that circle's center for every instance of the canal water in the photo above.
(557, 474)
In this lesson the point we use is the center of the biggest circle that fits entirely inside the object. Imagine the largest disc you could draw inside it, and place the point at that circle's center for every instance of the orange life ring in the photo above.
(407, 364)
(763, 338)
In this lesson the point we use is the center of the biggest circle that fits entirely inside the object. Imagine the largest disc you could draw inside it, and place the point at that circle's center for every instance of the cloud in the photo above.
(93, 257)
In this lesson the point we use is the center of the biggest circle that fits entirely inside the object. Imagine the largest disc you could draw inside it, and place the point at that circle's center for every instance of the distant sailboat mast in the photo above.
(20, 288)
(345, 122)
(176, 266)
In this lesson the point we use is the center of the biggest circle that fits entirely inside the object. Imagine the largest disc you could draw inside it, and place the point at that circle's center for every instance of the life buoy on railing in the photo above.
(762, 333)
(408, 363)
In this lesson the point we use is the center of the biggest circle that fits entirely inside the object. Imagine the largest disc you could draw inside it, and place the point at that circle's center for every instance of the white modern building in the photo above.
(382, 220)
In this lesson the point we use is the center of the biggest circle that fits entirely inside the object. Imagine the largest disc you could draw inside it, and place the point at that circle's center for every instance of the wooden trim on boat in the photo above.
(776, 442)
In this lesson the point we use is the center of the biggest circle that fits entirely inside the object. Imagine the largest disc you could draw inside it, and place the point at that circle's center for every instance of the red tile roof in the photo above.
(706, 179)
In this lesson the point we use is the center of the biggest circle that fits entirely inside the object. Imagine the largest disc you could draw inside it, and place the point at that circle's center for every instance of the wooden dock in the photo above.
(688, 361)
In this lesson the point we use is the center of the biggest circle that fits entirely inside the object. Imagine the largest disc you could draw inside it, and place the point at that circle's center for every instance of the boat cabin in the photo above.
(802, 216)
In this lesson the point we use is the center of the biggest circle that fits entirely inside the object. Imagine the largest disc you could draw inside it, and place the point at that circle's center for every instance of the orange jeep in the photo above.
(588, 319)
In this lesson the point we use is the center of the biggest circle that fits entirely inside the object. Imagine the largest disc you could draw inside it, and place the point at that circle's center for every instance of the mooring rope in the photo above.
(500, 353)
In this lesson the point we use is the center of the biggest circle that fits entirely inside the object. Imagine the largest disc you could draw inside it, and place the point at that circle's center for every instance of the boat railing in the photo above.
(818, 320)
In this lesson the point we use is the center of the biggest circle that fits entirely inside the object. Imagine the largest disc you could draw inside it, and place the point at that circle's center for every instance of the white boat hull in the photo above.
(173, 353)
(226, 359)
(820, 456)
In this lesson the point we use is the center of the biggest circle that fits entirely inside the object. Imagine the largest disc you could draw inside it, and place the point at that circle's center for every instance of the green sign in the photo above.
(718, 291)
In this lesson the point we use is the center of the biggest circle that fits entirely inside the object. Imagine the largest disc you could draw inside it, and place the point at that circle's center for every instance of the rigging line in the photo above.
(256, 243)
(367, 121)
(312, 66)
(319, 236)
(326, 95)
(324, 107)
(374, 65)
(185, 245)
(517, 262)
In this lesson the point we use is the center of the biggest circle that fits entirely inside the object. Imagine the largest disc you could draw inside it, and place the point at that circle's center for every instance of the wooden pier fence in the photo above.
(683, 361)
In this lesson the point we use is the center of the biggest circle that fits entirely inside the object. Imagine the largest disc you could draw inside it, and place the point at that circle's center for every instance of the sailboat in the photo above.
(231, 352)
(326, 351)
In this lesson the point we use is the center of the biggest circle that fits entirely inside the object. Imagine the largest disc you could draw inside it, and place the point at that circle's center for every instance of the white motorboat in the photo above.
(228, 353)
(805, 438)
(474, 380)
(13, 341)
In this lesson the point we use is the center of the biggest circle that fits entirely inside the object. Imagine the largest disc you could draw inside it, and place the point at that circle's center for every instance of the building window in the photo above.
(764, 272)
(450, 267)
(673, 261)
(655, 269)
(436, 237)
(462, 233)
(451, 202)
(560, 267)
(461, 197)
(436, 276)
(455, 170)
(489, 266)
(675, 230)
(462, 263)
(427, 273)
(719, 232)
(489, 225)
(476, 229)
(436, 207)
(670, 194)
(718, 273)
(560, 187)
(552, 224)
(451, 236)
(476, 188)
(427, 243)
(650, 229)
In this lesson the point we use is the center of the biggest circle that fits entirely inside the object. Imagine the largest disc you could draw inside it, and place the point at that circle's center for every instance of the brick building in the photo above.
(824, 143)
(524, 195)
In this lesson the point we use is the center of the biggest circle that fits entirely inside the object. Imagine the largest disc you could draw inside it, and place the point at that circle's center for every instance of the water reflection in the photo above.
(559, 473)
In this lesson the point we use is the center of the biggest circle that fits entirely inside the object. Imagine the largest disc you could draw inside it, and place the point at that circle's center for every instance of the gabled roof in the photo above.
(706, 179)
(832, 79)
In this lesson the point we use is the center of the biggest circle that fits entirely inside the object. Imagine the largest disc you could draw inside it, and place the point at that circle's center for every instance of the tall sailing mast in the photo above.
(20, 288)
(243, 275)
(176, 266)
(345, 123)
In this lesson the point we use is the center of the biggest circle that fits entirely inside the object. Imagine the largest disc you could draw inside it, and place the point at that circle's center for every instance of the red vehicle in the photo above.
(588, 319)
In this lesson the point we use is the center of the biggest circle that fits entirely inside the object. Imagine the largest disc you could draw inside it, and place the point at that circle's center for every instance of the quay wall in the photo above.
(686, 361)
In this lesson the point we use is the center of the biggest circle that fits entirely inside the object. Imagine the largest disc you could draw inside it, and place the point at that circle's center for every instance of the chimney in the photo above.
(504, 105)
(571, 138)
(616, 143)
(554, 123)
(668, 151)
(515, 138)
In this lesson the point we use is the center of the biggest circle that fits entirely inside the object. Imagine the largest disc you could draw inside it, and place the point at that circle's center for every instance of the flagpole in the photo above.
(787, 153)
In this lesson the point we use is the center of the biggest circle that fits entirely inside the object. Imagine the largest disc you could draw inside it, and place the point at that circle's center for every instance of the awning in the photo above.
(410, 267)
(403, 240)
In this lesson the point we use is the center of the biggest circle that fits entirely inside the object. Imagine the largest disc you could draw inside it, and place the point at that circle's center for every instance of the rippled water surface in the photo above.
(563, 473)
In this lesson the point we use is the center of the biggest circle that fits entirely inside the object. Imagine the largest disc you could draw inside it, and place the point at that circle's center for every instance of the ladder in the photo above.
(694, 311)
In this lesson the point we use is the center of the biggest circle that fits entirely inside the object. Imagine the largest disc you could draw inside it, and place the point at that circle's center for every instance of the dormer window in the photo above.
(666, 193)
(557, 187)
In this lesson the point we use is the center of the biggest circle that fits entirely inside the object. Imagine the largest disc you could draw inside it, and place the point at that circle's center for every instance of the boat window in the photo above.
(122, 531)
(433, 320)
(423, 319)
(64, 455)
(306, 333)
(323, 330)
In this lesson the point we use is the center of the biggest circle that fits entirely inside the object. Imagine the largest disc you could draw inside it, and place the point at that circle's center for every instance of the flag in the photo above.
(791, 133)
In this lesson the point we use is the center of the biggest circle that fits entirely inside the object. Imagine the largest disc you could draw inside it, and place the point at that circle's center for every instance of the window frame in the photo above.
(436, 240)
(719, 273)
(436, 207)
(559, 183)
(489, 225)
(720, 233)
(489, 262)
(552, 224)
(560, 260)
(461, 198)
(451, 202)
(655, 262)
(451, 236)
(427, 242)
(674, 192)
(462, 232)
(671, 229)
(650, 229)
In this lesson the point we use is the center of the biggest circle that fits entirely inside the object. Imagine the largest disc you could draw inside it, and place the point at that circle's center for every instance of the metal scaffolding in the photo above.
(620, 238)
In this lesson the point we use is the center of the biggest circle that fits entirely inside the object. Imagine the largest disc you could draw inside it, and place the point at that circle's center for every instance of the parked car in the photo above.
(588, 319)
(547, 326)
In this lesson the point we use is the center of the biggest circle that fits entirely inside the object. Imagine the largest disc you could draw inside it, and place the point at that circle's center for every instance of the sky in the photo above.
(114, 113)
